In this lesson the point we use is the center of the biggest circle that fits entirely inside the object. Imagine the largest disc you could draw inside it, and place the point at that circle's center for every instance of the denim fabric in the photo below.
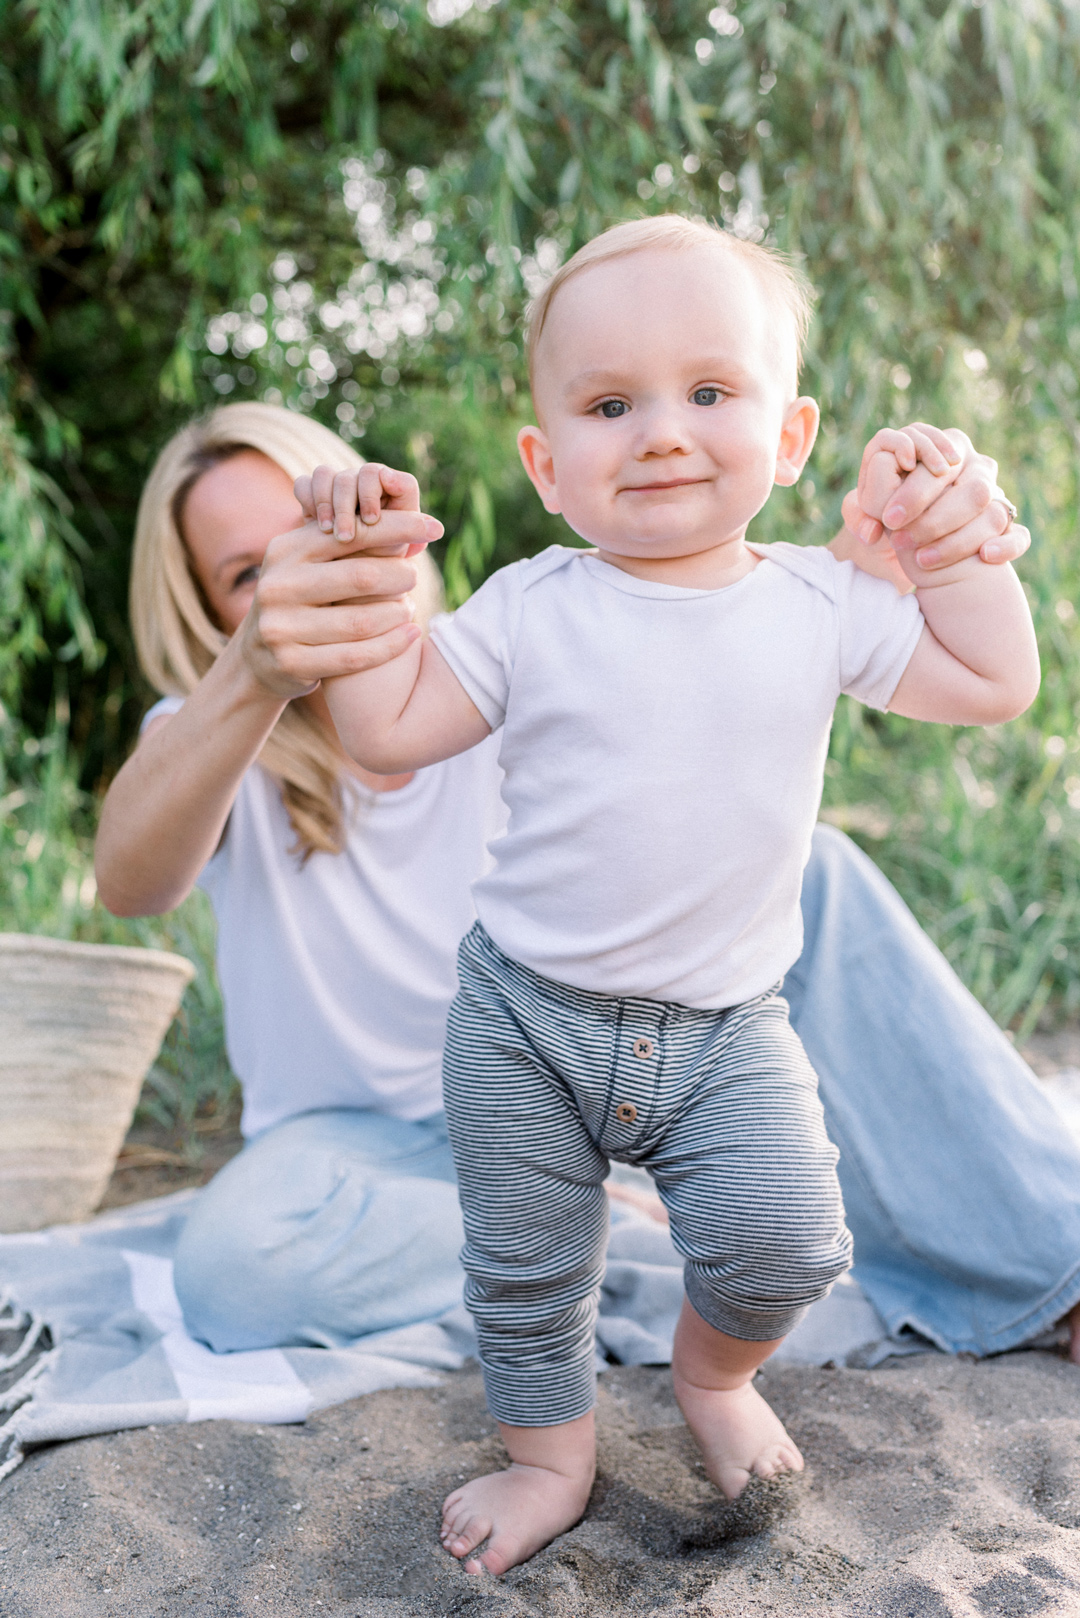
(961, 1187)
(326, 1227)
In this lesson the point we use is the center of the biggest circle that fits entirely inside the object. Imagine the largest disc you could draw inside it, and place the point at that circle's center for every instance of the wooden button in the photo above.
(643, 1049)
(626, 1112)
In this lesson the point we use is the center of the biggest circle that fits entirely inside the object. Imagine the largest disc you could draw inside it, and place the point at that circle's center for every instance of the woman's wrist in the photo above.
(260, 669)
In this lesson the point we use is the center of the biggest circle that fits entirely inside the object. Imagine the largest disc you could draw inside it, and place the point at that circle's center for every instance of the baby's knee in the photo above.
(762, 1291)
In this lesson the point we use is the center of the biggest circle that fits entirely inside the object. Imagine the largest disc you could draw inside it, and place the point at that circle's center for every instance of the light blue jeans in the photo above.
(961, 1187)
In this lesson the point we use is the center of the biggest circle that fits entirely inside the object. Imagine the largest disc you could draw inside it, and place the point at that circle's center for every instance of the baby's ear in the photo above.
(796, 440)
(536, 458)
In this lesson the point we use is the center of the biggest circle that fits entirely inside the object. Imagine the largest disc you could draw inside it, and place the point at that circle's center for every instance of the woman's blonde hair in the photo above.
(177, 640)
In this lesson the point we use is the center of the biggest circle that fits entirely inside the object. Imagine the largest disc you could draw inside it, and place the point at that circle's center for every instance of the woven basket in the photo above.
(79, 1026)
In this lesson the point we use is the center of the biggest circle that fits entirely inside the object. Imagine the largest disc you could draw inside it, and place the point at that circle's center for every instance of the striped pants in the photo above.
(544, 1084)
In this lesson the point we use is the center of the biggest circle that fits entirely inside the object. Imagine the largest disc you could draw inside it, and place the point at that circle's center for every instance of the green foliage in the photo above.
(346, 206)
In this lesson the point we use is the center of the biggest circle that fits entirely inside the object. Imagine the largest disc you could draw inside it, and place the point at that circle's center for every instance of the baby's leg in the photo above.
(530, 1179)
(541, 1494)
(739, 1435)
(748, 1176)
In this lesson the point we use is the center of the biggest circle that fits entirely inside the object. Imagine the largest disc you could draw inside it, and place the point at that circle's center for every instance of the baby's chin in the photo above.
(653, 546)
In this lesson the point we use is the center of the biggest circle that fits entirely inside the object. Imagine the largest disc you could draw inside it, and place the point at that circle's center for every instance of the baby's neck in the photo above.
(703, 570)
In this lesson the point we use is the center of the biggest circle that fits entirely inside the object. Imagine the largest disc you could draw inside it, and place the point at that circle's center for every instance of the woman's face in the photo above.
(229, 518)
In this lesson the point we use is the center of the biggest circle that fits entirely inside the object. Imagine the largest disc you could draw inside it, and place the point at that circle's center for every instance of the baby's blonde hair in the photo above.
(780, 278)
(176, 639)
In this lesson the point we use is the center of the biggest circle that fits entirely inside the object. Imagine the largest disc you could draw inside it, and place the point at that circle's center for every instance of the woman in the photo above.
(340, 899)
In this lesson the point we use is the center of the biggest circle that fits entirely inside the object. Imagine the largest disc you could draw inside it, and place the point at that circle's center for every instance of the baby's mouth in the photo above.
(659, 487)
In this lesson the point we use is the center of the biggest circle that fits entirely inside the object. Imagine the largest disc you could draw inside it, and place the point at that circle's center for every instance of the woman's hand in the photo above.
(328, 603)
(944, 514)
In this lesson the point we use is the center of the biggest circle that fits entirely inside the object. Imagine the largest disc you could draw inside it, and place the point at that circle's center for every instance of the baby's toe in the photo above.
(467, 1535)
(501, 1554)
(773, 1462)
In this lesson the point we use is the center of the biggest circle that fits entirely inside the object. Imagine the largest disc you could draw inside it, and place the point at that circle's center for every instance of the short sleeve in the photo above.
(879, 631)
(478, 641)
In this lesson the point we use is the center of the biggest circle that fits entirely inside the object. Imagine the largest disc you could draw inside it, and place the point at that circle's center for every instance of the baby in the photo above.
(665, 698)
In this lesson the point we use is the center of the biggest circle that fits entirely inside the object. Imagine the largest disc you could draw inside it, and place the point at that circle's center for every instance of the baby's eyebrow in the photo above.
(706, 368)
(587, 380)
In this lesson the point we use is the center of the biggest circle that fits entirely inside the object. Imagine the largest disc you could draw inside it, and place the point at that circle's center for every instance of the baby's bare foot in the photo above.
(521, 1509)
(740, 1437)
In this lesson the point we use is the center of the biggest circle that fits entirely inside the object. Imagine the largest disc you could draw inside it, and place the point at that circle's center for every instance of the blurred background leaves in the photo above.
(344, 207)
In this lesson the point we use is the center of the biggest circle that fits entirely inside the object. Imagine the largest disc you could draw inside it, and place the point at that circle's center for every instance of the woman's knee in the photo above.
(226, 1281)
(319, 1256)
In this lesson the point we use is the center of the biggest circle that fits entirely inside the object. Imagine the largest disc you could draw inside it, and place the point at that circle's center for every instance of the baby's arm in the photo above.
(407, 713)
(416, 712)
(977, 662)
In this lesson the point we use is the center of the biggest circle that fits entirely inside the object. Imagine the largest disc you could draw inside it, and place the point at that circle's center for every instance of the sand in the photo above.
(934, 1486)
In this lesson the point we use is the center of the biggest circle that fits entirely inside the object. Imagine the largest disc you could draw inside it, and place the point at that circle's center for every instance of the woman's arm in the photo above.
(316, 614)
(165, 812)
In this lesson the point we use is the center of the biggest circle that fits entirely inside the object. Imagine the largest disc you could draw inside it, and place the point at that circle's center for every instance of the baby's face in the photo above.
(664, 381)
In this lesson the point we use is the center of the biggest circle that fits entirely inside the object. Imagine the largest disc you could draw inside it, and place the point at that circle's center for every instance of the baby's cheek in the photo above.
(879, 482)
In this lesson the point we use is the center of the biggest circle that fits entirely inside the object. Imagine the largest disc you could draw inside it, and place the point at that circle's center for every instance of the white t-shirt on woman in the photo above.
(337, 975)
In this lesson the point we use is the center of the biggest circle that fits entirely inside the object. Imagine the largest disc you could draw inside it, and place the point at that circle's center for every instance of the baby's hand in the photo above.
(332, 499)
(890, 455)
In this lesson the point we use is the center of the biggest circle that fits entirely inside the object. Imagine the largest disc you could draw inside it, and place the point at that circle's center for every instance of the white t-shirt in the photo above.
(664, 750)
(337, 975)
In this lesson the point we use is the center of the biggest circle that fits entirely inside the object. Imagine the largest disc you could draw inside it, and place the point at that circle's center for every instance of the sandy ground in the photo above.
(934, 1487)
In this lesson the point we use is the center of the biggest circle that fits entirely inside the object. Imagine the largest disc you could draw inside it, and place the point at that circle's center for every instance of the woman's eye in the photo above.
(705, 396)
(613, 408)
(248, 576)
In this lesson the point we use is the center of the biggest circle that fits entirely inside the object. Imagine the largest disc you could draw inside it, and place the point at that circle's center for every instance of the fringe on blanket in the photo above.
(33, 1340)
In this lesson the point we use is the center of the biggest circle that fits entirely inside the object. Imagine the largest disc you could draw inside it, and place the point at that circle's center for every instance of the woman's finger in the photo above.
(310, 664)
(922, 498)
(286, 629)
(953, 508)
(318, 584)
(1007, 547)
(983, 536)
(399, 531)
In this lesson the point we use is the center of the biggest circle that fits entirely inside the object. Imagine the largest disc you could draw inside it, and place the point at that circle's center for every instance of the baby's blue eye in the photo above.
(705, 396)
(613, 408)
